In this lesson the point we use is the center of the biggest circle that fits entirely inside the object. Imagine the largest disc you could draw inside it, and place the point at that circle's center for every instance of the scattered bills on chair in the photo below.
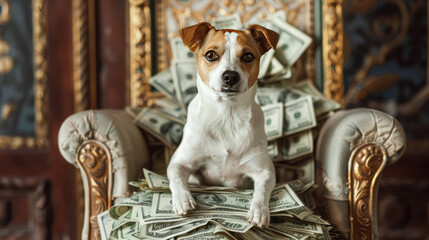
(220, 214)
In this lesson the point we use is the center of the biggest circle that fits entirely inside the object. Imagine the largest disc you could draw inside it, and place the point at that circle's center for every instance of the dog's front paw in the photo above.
(259, 216)
(183, 203)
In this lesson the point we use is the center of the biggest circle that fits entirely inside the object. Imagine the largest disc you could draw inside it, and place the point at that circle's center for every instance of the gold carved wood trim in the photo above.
(139, 52)
(84, 62)
(333, 60)
(365, 166)
(94, 161)
(40, 140)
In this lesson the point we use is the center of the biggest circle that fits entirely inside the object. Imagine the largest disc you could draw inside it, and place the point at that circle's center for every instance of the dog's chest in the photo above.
(229, 129)
(222, 170)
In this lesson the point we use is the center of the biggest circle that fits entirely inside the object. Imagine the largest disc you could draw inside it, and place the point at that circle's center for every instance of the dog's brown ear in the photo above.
(193, 35)
(265, 38)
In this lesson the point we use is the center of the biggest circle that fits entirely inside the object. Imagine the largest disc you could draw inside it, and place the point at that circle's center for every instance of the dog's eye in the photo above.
(211, 56)
(248, 57)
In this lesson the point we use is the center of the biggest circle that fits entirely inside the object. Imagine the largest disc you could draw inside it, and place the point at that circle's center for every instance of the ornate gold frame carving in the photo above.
(40, 82)
(365, 166)
(333, 60)
(139, 52)
(94, 161)
(84, 62)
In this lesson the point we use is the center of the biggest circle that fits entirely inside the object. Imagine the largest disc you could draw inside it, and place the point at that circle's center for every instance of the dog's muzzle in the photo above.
(230, 79)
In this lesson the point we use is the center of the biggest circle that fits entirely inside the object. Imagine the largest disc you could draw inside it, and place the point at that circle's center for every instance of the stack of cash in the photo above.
(220, 214)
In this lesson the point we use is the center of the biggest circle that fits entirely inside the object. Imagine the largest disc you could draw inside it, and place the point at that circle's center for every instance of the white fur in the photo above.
(224, 143)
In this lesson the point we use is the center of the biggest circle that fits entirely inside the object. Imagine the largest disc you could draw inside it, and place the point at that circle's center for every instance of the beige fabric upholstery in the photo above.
(117, 131)
(340, 135)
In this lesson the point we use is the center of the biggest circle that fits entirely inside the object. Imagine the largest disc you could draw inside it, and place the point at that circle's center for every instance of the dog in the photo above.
(224, 141)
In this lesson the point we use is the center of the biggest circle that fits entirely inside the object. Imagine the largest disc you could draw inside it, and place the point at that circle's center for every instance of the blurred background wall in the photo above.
(47, 73)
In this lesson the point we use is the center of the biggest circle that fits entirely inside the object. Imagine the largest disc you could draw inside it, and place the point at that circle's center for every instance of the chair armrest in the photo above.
(352, 149)
(109, 150)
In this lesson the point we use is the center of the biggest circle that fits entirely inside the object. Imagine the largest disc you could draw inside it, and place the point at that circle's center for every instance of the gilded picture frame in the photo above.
(40, 138)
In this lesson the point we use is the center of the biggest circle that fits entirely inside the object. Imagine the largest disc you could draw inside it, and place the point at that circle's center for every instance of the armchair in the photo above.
(353, 146)
(352, 149)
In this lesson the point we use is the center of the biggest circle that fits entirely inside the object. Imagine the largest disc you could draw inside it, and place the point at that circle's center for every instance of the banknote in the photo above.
(321, 103)
(273, 150)
(185, 81)
(105, 223)
(268, 95)
(155, 180)
(146, 231)
(265, 63)
(302, 170)
(164, 82)
(206, 232)
(298, 226)
(166, 130)
(297, 145)
(275, 68)
(299, 115)
(228, 22)
(161, 226)
(171, 109)
(273, 119)
(292, 43)
(180, 51)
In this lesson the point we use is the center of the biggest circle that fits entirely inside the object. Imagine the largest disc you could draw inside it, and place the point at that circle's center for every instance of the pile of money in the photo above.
(220, 214)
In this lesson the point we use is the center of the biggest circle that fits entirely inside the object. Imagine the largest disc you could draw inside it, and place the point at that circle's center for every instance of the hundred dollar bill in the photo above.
(105, 223)
(321, 103)
(180, 51)
(299, 115)
(171, 109)
(299, 226)
(228, 22)
(166, 130)
(265, 63)
(145, 231)
(185, 81)
(273, 150)
(204, 232)
(303, 170)
(275, 68)
(138, 199)
(292, 43)
(267, 95)
(161, 226)
(164, 82)
(283, 198)
(297, 145)
(273, 119)
(155, 180)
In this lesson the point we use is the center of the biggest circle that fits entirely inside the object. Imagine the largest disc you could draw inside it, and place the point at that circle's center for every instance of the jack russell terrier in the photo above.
(224, 141)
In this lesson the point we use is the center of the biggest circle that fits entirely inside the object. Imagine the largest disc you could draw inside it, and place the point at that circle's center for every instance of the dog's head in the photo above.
(228, 60)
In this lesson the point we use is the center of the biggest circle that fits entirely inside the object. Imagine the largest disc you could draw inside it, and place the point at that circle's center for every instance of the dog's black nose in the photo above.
(230, 78)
